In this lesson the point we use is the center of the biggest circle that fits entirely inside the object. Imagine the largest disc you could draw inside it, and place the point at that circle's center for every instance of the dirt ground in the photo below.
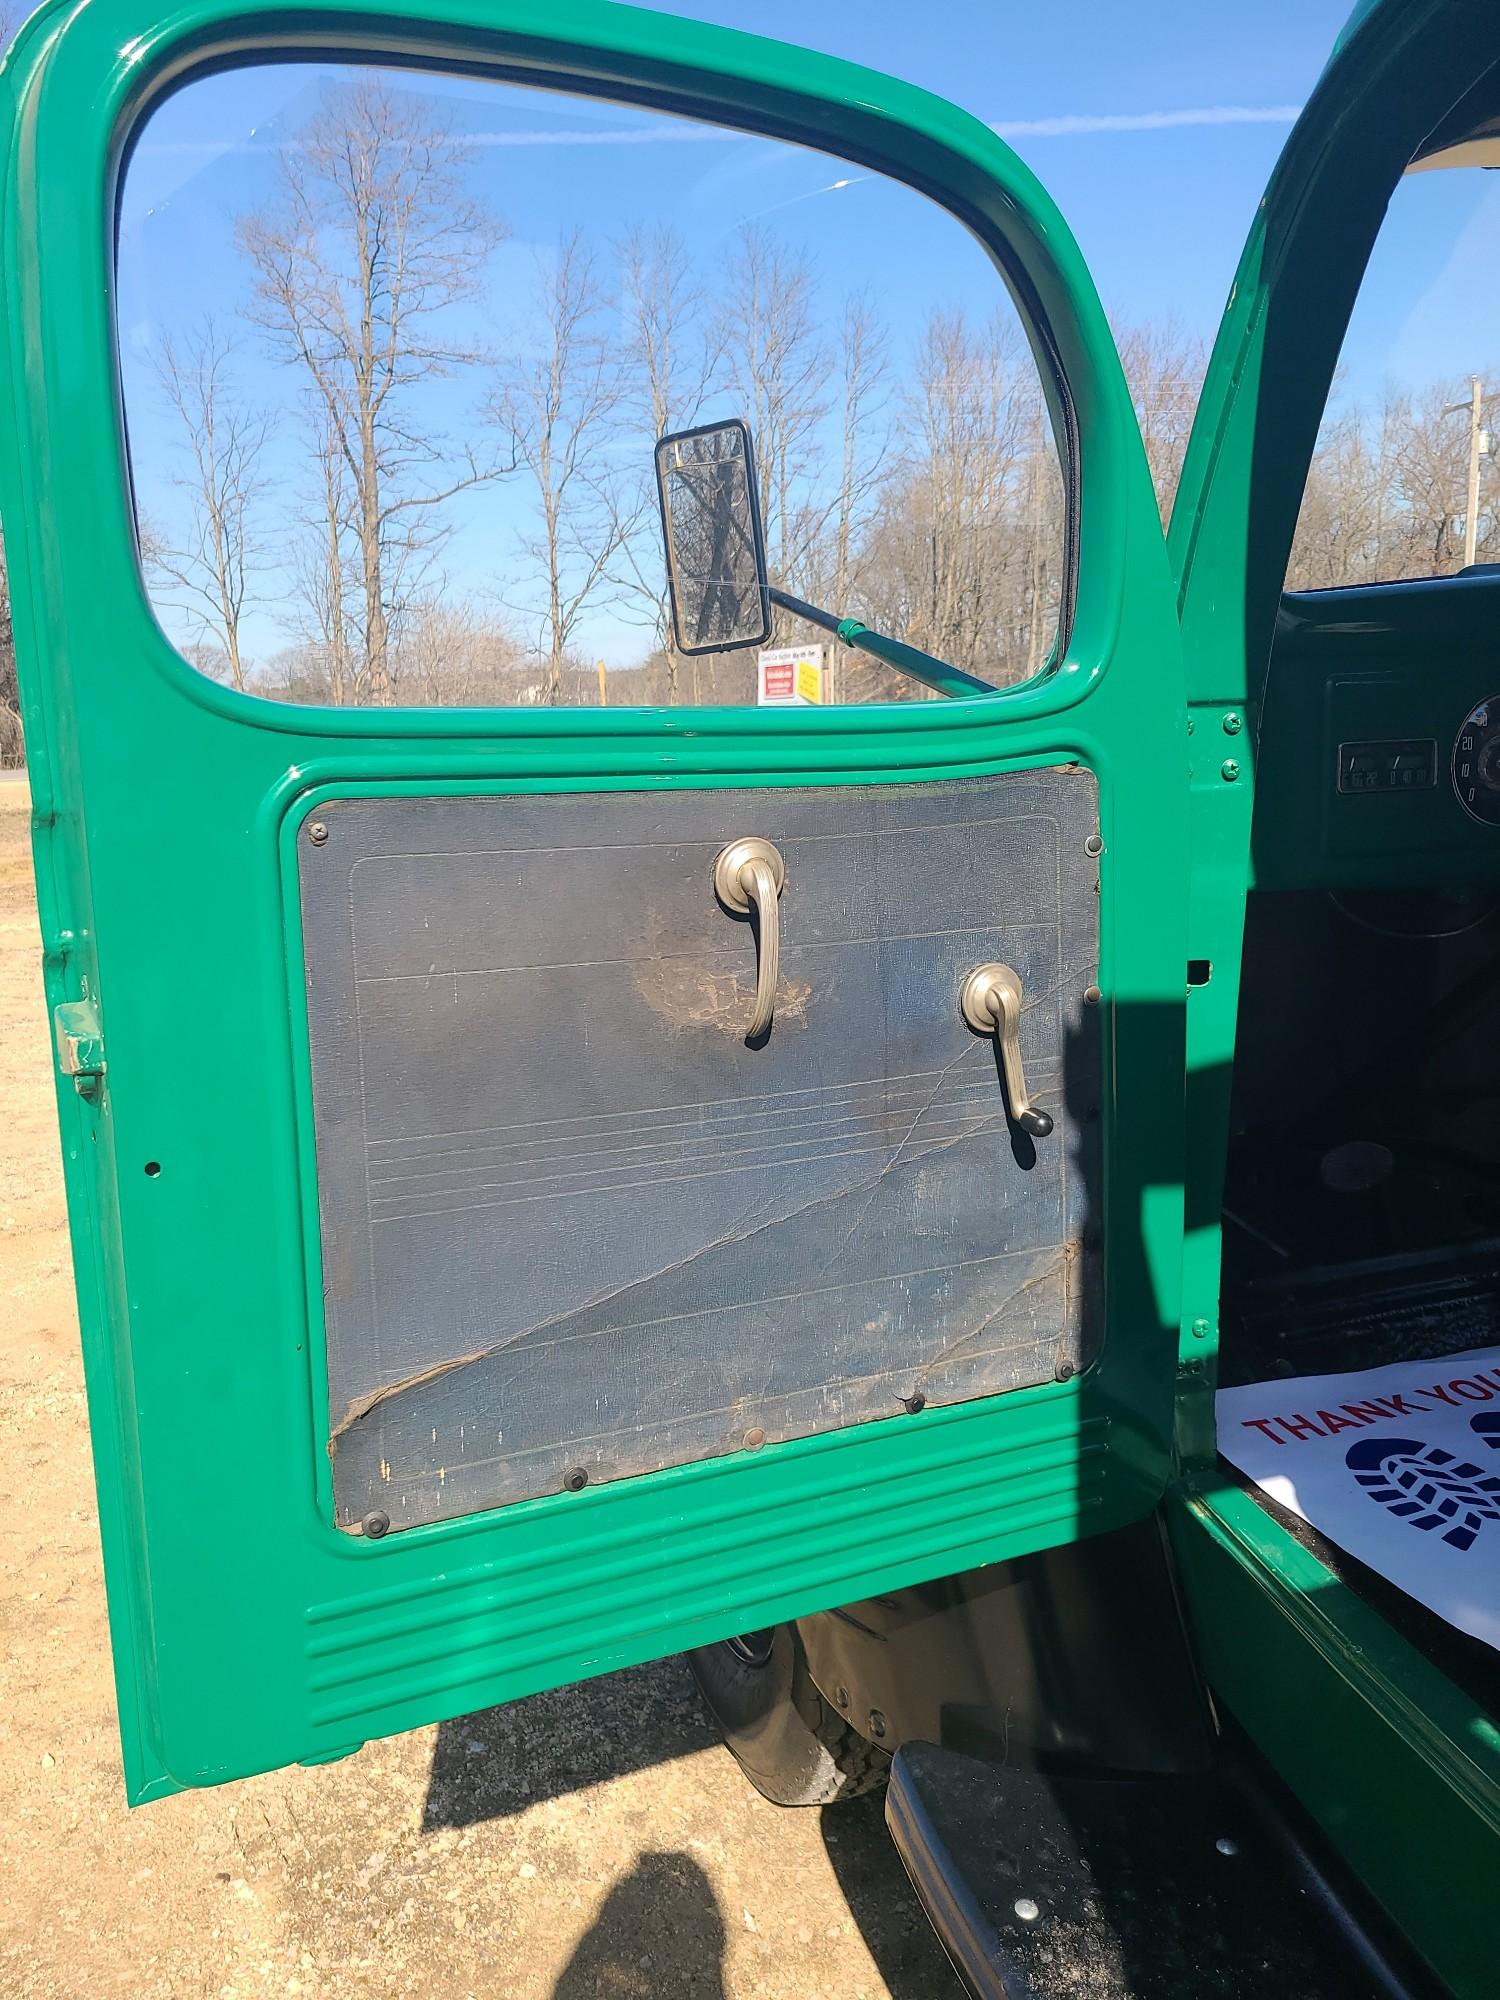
(594, 1842)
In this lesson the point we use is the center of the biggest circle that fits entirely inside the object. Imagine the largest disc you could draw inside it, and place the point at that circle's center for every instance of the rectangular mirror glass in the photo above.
(716, 558)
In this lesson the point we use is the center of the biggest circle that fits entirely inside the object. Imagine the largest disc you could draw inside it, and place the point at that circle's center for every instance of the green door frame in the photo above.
(247, 1631)
(1350, 1714)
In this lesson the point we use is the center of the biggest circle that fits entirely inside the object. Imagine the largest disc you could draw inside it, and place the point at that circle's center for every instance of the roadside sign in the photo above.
(791, 677)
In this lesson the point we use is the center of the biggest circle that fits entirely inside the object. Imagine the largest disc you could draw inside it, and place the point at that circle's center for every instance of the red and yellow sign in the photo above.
(792, 677)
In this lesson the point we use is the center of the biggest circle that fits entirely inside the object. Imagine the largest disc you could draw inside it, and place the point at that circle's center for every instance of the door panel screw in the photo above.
(1091, 996)
(376, 1524)
(914, 1404)
(877, 1724)
(1064, 1371)
(317, 833)
(1227, 1846)
(1026, 1910)
(841, 1696)
(1093, 845)
(754, 1439)
(1229, 770)
(576, 1480)
(1233, 723)
(1200, 1329)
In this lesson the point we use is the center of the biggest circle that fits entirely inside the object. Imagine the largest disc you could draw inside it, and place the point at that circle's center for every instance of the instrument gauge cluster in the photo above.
(1476, 762)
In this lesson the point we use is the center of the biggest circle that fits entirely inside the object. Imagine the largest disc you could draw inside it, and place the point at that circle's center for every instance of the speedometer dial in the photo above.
(1476, 762)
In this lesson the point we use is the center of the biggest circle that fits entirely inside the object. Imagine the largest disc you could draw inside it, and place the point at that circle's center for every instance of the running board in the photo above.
(1048, 1887)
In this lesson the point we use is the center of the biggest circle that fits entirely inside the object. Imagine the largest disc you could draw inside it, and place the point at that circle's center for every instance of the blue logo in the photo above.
(1428, 1487)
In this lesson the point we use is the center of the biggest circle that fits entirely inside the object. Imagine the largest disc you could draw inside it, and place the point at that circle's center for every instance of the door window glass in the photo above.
(1404, 481)
(396, 349)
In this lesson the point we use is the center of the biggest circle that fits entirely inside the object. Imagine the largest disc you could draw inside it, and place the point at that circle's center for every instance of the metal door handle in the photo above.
(991, 1003)
(749, 875)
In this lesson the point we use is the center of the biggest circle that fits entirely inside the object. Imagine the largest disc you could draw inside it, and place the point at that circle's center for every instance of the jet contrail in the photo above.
(1083, 124)
(831, 187)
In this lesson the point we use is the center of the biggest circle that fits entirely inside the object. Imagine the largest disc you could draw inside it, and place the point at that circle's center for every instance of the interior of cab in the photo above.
(1361, 1210)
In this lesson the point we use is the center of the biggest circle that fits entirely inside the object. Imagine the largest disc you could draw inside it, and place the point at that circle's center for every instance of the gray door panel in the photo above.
(572, 1223)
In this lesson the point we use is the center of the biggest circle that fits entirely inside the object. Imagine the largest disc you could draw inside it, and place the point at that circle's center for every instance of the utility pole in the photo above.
(1477, 441)
(1479, 445)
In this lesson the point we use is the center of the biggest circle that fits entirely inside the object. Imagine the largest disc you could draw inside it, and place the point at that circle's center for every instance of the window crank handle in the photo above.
(991, 1003)
(749, 875)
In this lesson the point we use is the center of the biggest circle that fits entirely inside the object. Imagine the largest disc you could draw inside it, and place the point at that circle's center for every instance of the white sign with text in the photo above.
(791, 677)
(1398, 1465)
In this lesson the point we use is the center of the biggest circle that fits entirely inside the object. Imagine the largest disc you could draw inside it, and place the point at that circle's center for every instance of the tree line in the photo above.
(921, 493)
(932, 507)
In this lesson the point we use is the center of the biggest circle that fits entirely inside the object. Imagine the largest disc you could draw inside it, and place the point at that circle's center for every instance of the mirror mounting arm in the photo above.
(908, 660)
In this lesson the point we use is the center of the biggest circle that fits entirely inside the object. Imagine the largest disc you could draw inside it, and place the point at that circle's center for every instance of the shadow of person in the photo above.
(658, 1931)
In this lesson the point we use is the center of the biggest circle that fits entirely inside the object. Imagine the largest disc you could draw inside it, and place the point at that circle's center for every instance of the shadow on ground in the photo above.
(664, 1913)
(503, 1761)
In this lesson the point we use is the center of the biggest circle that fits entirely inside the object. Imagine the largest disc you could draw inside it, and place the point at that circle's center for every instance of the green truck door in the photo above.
(469, 1307)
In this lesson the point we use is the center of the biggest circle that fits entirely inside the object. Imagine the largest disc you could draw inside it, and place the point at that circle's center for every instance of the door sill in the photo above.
(1043, 1885)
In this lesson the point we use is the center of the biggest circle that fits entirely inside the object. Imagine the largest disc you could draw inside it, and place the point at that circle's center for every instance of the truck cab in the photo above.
(926, 1138)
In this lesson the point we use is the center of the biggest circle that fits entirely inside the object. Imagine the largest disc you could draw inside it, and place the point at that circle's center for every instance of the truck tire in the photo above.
(793, 1746)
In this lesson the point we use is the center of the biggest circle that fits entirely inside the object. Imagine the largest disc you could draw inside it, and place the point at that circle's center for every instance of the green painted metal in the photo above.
(1400, 1767)
(1393, 660)
(1397, 71)
(1383, 90)
(1352, 1716)
(910, 660)
(247, 1631)
(1398, 66)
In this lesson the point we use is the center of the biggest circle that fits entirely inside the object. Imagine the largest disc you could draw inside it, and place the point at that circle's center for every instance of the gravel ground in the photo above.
(593, 1842)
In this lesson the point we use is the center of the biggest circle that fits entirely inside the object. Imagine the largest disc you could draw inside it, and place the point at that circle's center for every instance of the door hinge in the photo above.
(80, 1044)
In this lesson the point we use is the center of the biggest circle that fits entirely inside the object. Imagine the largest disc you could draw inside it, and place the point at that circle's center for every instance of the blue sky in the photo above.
(1161, 210)
(1154, 127)
(1160, 214)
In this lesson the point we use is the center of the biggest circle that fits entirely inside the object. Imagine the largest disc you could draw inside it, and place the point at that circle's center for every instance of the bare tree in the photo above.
(1045, 527)
(1351, 500)
(452, 654)
(1387, 492)
(670, 358)
(839, 517)
(667, 346)
(368, 246)
(320, 564)
(778, 365)
(224, 439)
(1434, 473)
(557, 403)
(1164, 368)
(863, 442)
(963, 554)
(954, 522)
